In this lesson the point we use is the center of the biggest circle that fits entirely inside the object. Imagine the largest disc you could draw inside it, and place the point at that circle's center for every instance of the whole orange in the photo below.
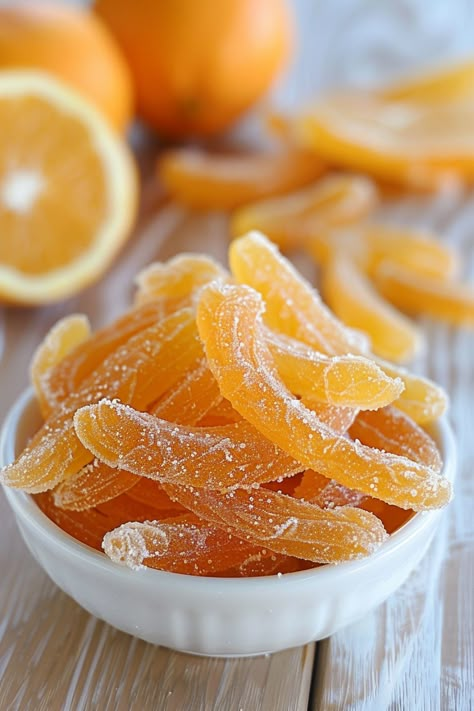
(198, 64)
(72, 44)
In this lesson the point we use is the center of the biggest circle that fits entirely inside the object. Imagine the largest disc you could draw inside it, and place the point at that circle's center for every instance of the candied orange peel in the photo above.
(228, 425)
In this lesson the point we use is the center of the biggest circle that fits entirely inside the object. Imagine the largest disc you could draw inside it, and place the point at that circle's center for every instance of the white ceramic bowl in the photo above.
(214, 616)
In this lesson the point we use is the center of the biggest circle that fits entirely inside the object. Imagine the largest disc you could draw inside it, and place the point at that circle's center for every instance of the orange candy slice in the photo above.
(294, 308)
(351, 296)
(67, 375)
(449, 301)
(417, 251)
(225, 181)
(187, 402)
(415, 143)
(291, 219)
(230, 325)
(390, 430)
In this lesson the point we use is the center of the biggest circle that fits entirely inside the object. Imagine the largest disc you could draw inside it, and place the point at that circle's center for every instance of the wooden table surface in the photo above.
(416, 651)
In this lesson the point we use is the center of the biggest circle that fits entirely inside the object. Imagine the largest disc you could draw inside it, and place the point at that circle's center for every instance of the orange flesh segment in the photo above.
(285, 525)
(291, 219)
(138, 373)
(351, 296)
(212, 181)
(55, 176)
(61, 339)
(449, 301)
(418, 251)
(217, 457)
(230, 325)
(176, 281)
(295, 309)
(186, 403)
(346, 380)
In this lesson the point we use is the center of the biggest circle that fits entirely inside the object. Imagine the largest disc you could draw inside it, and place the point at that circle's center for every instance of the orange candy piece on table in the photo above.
(230, 325)
(138, 372)
(410, 142)
(351, 296)
(291, 219)
(449, 301)
(294, 308)
(448, 83)
(216, 181)
(417, 251)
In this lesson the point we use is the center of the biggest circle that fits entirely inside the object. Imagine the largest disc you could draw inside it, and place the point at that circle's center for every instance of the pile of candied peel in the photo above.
(228, 425)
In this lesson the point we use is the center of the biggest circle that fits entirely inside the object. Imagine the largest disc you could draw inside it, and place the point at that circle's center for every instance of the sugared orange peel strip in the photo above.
(346, 380)
(416, 144)
(294, 308)
(137, 373)
(217, 458)
(417, 251)
(187, 402)
(229, 320)
(178, 547)
(63, 338)
(286, 525)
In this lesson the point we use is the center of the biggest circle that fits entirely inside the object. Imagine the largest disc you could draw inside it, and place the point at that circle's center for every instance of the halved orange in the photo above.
(68, 190)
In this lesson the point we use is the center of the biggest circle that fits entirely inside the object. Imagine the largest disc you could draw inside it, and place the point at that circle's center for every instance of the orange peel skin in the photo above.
(285, 525)
(137, 373)
(230, 325)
